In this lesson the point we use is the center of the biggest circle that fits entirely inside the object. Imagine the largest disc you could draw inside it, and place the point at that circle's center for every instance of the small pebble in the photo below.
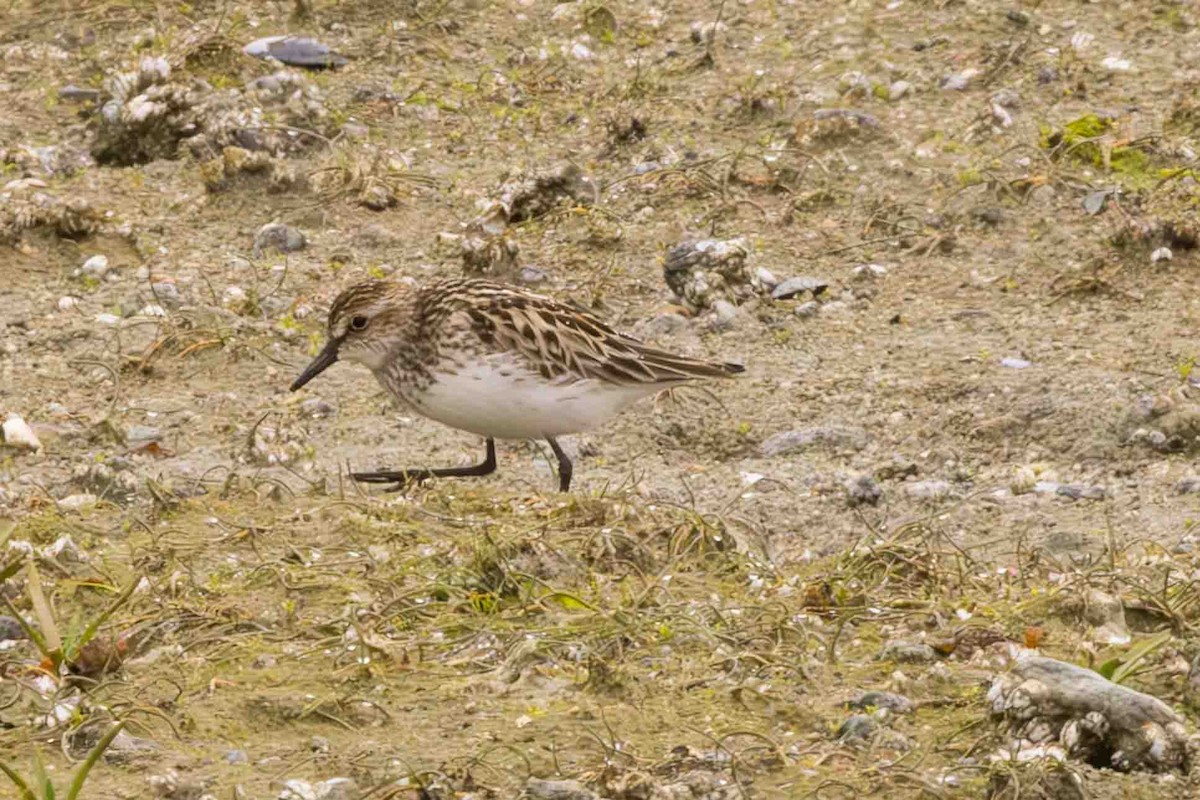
(77, 94)
(801, 283)
(295, 789)
(95, 267)
(1188, 485)
(724, 312)
(532, 276)
(283, 238)
(857, 728)
(807, 309)
(1161, 254)
(316, 408)
(907, 652)
(1015, 363)
(297, 51)
(927, 490)
(869, 271)
(236, 757)
(17, 433)
(10, 629)
(863, 490)
(896, 703)
(67, 303)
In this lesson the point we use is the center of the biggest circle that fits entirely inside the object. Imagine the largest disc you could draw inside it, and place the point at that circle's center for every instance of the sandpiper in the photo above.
(497, 361)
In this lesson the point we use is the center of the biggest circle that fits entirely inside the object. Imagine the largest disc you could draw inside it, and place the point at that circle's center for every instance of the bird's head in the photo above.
(364, 321)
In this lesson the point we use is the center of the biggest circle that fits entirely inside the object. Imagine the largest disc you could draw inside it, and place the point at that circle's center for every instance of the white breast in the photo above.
(499, 396)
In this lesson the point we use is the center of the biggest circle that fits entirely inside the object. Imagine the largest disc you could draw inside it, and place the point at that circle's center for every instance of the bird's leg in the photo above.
(403, 477)
(564, 465)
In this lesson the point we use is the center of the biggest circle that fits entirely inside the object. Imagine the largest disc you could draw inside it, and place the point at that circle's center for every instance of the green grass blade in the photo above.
(1137, 655)
(89, 632)
(18, 781)
(81, 772)
(45, 617)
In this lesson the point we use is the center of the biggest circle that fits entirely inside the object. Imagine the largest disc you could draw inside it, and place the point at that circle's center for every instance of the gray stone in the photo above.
(895, 703)
(801, 283)
(807, 309)
(1189, 485)
(907, 652)
(539, 789)
(857, 728)
(792, 441)
(283, 238)
(927, 490)
(236, 757)
(296, 51)
(863, 490)
(316, 408)
(337, 789)
(1042, 701)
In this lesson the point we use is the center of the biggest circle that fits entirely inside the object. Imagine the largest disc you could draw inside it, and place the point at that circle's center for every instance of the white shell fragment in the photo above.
(17, 433)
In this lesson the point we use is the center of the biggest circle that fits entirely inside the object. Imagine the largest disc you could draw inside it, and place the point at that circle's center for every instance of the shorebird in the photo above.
(496, 361)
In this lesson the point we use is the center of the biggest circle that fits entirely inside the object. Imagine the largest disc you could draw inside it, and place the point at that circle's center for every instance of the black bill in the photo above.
(324, 360)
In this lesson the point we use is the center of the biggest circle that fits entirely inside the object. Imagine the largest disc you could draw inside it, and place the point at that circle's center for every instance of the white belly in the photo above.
(499, 397)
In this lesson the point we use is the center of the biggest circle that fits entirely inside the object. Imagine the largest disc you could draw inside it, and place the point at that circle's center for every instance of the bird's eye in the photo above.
(358, 323)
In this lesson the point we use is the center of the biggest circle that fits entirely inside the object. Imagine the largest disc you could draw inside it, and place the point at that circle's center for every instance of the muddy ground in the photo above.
(993, 402)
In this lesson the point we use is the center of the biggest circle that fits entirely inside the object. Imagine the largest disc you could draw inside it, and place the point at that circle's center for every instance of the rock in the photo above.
(283, 238)
(958, 81)
(1077, 491)
(337, 789)
(870, 271)
(895, 703)
(661, 325)
(236, 757)
(319, 744)
(724, 313)
(1161, 254)
(75, 502)
(857, 728)
(898, 89)
(1015, 363)
(539, 789)
(166, 294)
(766, 277)
(927, 490)
(702, 272)
(807, 309)
(67, 303)
(1106, 614)
(1188, 485)
(126, 748)
(295, 789)
(316, 408)
(95, 267)
(801, 283)
(863, 490)
(1044, 702)
(296, 51)
(11, 630)
(532, 276)
(907, 652)
(18, 434)
(791, 441)
(77, 94)
(173, 787)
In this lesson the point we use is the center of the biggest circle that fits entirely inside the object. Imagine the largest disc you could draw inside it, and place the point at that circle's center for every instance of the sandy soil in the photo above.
(994, 396)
